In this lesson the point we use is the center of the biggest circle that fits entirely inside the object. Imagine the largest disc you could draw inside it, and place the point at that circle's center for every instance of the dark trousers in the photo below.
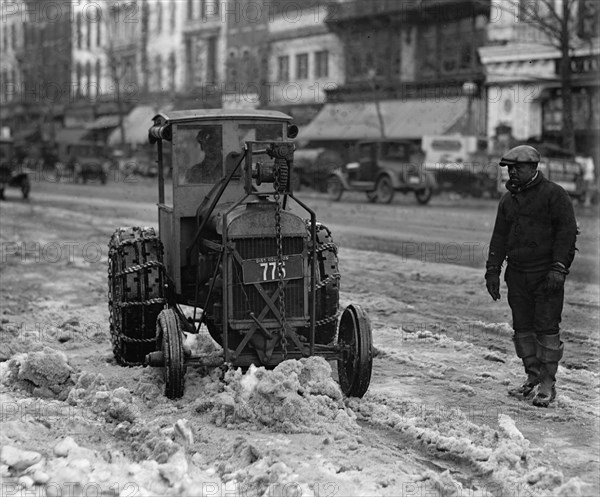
(533, 308)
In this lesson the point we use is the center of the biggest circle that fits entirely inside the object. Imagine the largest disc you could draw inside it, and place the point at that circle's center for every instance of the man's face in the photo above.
(520, 174)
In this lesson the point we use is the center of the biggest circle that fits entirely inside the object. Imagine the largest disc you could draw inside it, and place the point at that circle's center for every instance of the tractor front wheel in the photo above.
(356, 341)
(167, 328)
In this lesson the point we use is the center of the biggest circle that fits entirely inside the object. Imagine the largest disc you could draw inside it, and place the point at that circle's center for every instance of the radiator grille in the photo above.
(246, 298)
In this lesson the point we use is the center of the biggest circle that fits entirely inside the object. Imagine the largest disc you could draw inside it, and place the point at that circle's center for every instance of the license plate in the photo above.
(265, 269)
(413, 180)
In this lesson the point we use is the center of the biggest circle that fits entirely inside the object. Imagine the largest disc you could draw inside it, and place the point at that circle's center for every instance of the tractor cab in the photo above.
(263, 280)
(205, 153)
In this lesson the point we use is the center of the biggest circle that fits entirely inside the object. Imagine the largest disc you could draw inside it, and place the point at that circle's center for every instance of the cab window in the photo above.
(199, 154)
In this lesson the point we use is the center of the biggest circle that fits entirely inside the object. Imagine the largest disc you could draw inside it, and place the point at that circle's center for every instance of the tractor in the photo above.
(263, 280)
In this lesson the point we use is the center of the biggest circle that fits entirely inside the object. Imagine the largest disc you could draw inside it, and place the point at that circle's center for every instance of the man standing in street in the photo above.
(535, 232)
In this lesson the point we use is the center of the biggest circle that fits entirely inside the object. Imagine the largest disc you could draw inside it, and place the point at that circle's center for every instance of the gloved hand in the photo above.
(555, 281)
(492, 281)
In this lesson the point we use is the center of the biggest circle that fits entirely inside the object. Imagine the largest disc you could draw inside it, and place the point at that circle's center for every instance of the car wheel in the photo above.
(424, 195)
(334, 188)
(385, 190)
(25, 188)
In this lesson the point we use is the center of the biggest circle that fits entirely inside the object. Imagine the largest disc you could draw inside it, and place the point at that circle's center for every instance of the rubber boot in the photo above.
(549, 352)
(526, 348)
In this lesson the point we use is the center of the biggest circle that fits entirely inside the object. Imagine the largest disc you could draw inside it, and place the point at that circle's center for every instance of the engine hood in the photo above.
(255, 219)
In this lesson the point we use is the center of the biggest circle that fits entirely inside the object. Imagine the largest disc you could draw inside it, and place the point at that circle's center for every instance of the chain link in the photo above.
(279, 239)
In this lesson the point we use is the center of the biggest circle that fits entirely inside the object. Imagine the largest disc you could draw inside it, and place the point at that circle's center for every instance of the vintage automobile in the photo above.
(383, 168)
(12, 174)
(460, 164)
(262, 279)
(82, 160)
(312, 167)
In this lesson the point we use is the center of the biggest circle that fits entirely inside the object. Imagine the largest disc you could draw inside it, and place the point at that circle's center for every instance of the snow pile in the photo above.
(504, 454)
(44, 373)
(298, 396)
(91, 391)
(252, 470)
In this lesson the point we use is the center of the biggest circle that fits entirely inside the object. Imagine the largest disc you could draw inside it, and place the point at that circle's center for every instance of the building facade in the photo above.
(523, 76)
(410, 68)
(305, 60)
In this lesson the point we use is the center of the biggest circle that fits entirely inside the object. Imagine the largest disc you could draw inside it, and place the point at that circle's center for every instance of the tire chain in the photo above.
(117, 244)
(324, 234)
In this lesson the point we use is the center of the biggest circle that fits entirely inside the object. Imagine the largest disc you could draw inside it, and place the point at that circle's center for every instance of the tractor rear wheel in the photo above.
(356, 340)
(136, 293)
(167, 329)
(327, 288)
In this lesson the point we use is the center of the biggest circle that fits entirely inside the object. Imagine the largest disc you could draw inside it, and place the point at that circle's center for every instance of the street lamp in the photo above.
(469, 88)
(372, 74)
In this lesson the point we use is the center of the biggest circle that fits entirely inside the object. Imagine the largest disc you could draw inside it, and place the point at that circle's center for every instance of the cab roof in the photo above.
(194, 115)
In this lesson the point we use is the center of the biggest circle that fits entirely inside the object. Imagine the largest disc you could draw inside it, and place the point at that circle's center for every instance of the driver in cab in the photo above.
(209, 168)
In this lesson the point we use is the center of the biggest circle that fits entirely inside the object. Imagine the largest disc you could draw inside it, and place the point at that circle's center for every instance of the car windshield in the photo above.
(394, 151)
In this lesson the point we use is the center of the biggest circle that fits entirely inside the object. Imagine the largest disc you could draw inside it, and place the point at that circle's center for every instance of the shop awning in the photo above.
(70, 135)
(136, 125)
(408, 119)
(104, 122)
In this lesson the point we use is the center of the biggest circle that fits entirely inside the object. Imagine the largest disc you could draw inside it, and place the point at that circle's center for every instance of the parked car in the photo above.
(383, 168)
(86, 161)
(12, 174)
(460, 164)
(312, 167)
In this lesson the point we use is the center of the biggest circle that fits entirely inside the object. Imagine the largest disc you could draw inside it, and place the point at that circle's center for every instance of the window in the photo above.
(322, 64)
(172, 70)
(159, 17)
(283, 68)
(173, 19)
(99, 33)
(158, 71)
(302, 66)
(79, 30)
(211, 62)
(78, 78)
(98, 74)
(190, 9)
(88, 34)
